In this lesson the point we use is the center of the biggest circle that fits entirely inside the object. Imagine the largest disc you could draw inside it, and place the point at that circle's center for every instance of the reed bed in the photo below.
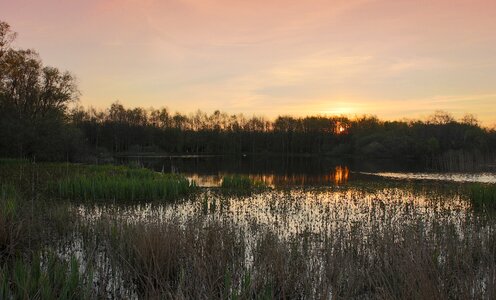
(240, 184)
(10, 224)
(119, 183)
(45, 277)
(483, 197)
(215, 259)
(12, 161)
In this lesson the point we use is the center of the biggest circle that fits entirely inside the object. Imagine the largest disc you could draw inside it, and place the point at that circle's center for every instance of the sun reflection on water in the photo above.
(337, 176)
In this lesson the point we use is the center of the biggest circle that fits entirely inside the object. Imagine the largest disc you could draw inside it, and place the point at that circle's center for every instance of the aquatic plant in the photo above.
(45, 277)
(240, 184)
(193, 260)
(12, 161)
(483, 196)
(131, 185)
(10, 225)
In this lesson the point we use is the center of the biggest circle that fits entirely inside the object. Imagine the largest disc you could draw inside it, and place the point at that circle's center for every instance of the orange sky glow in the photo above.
(391, 58)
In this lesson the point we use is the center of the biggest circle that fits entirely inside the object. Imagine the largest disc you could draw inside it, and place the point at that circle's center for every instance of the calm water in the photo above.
(276, 171)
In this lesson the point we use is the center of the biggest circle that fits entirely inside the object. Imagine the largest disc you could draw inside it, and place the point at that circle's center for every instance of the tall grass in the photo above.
(122, 183)
(48, 277)
(240, 184)
(10, 224)
(483, 196)
(214, 260)
(173, 260)
(12, 161)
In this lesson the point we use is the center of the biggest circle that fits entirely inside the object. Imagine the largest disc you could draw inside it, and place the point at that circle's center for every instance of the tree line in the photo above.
(39, 117)
(120, 129)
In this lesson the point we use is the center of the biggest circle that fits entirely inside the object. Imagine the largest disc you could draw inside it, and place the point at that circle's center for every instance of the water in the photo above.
(292, 211)
(276, 171)
(450, 177)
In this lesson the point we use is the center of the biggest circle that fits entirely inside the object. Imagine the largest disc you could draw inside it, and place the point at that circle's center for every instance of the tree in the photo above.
(34, 101)
(441, 118)
(7, 36)
(470, 119)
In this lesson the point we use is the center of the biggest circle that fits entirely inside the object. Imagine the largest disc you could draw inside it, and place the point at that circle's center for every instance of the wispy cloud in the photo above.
(387, 57)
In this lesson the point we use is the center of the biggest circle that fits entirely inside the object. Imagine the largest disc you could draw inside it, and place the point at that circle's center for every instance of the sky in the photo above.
(395, 59)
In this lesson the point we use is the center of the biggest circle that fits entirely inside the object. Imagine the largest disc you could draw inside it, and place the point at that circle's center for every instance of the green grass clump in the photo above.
(132, 185)
(10, 226)
(236, 182)
(240, 183)
(13, 161)
(483, 196)
(47, 278)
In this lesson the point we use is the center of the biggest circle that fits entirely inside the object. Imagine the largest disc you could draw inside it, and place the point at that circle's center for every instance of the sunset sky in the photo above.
(391, 58)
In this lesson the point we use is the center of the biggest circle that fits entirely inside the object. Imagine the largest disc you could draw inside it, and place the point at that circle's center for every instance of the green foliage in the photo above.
(122, 183)
(483, 197)
(12, 161)
(236, 182)
(10, 227)
(47, 277)
(240, 184)
(8, 201)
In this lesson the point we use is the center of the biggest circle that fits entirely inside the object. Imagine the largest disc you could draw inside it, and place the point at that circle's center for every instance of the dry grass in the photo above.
(214, 259)
(180, 261)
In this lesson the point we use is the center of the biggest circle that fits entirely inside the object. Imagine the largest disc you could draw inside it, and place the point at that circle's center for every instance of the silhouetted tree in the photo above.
(33, 103)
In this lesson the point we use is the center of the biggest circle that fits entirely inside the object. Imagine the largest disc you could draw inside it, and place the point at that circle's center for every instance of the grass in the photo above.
(160, 187)
(483, 196)
(213, 259)
(10, 223)
(240, 184)
(12, 161)
(48, 277)
(122, 183)
(188, 260)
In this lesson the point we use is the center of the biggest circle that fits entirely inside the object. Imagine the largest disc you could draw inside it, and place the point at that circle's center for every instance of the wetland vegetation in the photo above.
(371, 237)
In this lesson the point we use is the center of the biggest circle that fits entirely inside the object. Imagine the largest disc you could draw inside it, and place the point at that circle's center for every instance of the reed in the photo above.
(12, 161)
(212, 259)
(483, 196)
(191, 260)
(45, 277)
(10, 225)
(240, 184)
(130, 185)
